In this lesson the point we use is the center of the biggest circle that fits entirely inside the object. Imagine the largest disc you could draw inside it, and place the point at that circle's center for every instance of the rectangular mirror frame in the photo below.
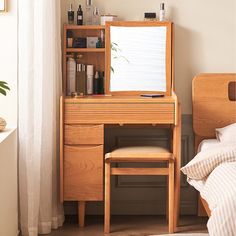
(169, 55)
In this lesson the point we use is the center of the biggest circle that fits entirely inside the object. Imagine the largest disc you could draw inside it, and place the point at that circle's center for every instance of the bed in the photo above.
(214, 106)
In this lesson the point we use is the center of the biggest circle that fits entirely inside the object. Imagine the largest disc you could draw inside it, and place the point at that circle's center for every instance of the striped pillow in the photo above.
(206, 161)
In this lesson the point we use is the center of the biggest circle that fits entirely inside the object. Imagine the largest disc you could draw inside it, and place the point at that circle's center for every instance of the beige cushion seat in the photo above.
(139, 154)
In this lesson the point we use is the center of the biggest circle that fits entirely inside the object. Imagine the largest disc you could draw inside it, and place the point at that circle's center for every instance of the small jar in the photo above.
(150, 16)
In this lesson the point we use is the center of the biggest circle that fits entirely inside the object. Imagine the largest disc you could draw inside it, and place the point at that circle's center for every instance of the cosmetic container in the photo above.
(96, 83)
(90, 79)
(80, 16)
(162, 12)
(71, 76)
(81, 86)
(150, 16)
(89, 13)
(69, 36)
(71, 15)
(96, 17)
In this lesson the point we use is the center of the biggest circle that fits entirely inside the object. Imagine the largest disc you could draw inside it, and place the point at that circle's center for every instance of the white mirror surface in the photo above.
(138, 58)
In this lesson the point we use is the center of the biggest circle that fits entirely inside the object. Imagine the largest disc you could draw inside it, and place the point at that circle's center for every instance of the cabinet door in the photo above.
(83, 173)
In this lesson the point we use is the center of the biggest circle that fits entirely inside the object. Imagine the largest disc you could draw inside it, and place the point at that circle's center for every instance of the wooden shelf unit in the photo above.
(84, 27)
(91, 56)
(80, 50)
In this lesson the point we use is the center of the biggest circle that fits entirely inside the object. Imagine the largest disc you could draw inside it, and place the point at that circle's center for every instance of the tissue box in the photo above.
(91, 42)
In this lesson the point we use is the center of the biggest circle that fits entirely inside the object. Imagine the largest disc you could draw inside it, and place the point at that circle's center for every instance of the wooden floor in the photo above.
(129, 226)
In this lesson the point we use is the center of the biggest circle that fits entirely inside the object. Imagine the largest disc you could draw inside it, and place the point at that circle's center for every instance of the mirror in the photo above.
(138, 55)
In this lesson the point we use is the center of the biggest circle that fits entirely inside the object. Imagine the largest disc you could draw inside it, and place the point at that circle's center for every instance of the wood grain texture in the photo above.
(212, 108)
(177, 155)
(81, 213)
(139, 171)
(133, 155)
(83, 173)
(121, 111)
(84, 134)
(107, 202)
(211, 105)
(169, 58)
(61, 147)
(171, 196)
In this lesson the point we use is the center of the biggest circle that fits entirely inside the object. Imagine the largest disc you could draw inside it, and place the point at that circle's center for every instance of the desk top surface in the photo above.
(119, 99)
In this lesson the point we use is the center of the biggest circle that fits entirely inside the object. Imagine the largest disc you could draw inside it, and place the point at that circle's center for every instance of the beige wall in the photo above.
(205, 34)
(8, 62)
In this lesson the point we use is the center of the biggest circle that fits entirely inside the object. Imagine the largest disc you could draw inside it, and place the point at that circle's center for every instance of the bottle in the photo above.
(162, 12)
(96, 17)
(103, 38)
(101, 82)
(96, 83)
(81, 86)
(89, 13)
(89, 79)
(71, 15)
(80, 16)
(69, 36)
(71, 76)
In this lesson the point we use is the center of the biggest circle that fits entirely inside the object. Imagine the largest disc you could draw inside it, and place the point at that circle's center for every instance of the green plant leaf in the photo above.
(2, 91)
(3, 82)
(4, 86)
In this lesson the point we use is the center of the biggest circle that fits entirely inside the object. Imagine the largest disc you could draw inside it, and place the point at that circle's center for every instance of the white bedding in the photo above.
(208, 144)
(213, 173)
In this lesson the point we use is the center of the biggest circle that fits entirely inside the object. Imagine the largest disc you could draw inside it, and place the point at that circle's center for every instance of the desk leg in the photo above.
(81, 213)
(107, 202)
(177, 153)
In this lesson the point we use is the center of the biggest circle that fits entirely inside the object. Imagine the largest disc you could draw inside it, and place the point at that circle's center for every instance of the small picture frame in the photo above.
(3, 6)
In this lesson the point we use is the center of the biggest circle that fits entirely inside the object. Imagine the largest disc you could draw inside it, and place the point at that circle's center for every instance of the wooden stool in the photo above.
(143, 154)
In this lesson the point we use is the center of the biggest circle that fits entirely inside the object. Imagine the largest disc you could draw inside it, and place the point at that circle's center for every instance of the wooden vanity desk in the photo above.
(84, 119)
(82, 142)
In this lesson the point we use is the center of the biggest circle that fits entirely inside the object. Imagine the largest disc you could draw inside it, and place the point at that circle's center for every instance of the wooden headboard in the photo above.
(214, 106)
(214, 103)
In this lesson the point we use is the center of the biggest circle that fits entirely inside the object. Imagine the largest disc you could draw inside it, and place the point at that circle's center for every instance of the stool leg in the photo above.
(171, 197)
(107, 197)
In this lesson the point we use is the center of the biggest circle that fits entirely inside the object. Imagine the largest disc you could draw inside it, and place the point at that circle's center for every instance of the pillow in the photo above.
(227, 134)
(206, 161)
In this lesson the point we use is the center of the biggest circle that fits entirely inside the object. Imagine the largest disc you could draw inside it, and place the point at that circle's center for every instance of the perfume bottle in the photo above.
(162, 12)
(89, 13)
(80, 16)
(96, 83)
(96, 17)
(69, 36)
(71, 15)
(71, 75)
(90, 79)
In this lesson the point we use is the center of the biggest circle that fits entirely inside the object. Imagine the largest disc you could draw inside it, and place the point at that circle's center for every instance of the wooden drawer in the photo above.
(83, 134)
(119, 113)
(83, 173)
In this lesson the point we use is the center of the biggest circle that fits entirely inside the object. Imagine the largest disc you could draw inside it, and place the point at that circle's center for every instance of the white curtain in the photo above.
(39, 48)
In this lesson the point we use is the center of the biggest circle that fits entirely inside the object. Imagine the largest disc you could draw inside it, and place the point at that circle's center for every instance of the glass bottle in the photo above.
(96, 17)
(80, 16)
(89, 13)
(70, 15)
